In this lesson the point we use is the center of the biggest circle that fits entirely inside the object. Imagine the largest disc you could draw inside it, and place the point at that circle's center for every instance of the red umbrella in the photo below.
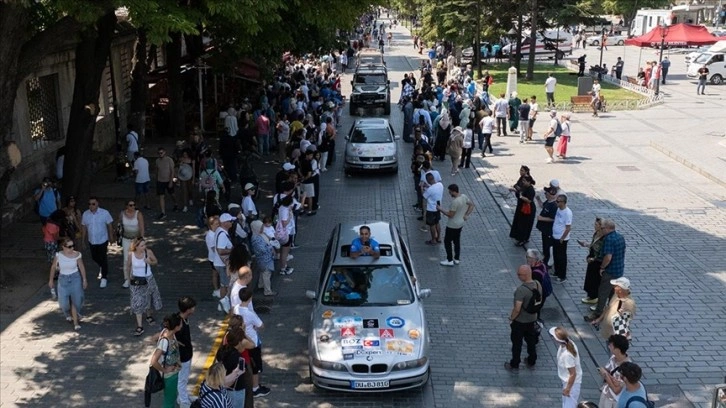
(675, 35)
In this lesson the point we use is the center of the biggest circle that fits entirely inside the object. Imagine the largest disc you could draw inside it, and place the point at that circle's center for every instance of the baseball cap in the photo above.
(226, 217)
(623, 282)
(249, 186)
(288, 166)
(232, 206)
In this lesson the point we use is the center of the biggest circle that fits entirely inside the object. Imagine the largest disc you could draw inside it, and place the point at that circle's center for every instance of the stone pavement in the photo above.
(669, 214)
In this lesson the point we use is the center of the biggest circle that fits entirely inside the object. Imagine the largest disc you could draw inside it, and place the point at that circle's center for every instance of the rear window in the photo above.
(372, 285)
(370, 79)
(371, 135)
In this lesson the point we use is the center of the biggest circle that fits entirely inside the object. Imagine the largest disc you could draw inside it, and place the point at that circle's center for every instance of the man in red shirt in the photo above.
(263, 134)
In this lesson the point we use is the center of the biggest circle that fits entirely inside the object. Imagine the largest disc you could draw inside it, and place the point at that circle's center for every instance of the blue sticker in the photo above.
(395, 322)
(348, 356)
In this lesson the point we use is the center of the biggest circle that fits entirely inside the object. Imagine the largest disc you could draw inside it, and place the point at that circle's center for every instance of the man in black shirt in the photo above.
(546, 219)
(187, 306)
(702, 78)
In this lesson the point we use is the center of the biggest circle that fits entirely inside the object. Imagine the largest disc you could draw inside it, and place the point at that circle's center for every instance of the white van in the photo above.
(715, 60)
(546, 45)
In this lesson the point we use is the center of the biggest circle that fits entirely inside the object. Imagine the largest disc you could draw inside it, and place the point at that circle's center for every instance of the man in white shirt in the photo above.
(560, 236)
(487, 127)
(533, 110)
(595, 96)
(142, 181)
(97, 230)
(433, 196)
(501, 111)
(550, 84)
(132, 143)
(223, 246)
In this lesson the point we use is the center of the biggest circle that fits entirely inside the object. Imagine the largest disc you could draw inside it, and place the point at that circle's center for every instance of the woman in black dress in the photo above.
(525, 213)
(594, 261)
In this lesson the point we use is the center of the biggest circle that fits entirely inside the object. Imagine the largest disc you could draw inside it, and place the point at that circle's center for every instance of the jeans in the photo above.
(237, 398)
(480, 138)
(501, 126)
(70, 290)
(559, 252)
(263, 144)
(523, 130)
(550, 98)
(528, 333)
(99, 254)
(170, 391)
(452, 236)
(182, 383)
(701, 86)
(487, 142)
(603, 292)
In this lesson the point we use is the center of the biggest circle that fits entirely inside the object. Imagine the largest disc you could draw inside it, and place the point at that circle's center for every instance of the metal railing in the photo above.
(651, 99)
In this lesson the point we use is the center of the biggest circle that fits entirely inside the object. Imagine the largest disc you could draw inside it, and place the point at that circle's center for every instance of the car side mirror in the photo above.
(388, 82)
(310, 294)
(347, 138)
(424, 293)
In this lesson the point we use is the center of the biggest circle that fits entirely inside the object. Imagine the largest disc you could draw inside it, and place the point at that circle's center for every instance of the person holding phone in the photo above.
(365, 245)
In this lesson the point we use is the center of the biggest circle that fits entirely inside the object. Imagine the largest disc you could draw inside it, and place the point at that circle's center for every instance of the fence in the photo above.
(650, 98)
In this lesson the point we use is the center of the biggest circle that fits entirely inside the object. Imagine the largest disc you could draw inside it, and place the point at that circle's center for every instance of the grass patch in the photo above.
(566, 83)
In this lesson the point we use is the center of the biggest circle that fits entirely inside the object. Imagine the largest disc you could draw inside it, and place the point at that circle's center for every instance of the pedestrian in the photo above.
(525, 212)
(565, 136)
(166, 358)
(307, 168)
(613, 263)
(442, 134)
(433, 194)
(132, 227)
(253, 324)
(132, 143)
(523, 319)
(594, 260)
(262, 124)
(213, 391)
(487, 128)
(283, 136)
(286, 219)
(467, 145)
(187, 307)
(144, 294)
(501, 109)
(186, 173)
(514, 104)
(73, 218)
(142, 179)
(52, 233)
(619, 64)
(164, 181)
(97, 230)
(222, 249)
(550, 85)
(540, 274)
(533, 110)
(235, 343)
(568, 367)
(613, 383)
(459, 211)
(702, 78)
(249, 209)
(560, 237)
(454, 147)
(546, 219)
(634, 395)
(209, 238)
(263, 248)
(524, 110)
(595, 93)
(47, 199)
(211, 180)
(554, 130)
(620, 312)
(68, 263)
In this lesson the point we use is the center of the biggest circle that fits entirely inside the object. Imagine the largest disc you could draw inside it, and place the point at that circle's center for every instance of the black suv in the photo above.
(371, 88)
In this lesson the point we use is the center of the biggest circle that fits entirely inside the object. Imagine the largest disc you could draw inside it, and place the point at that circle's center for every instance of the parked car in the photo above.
(368, 329)
(611, 40)
(691, 56)
(468, 53)
(371, 145)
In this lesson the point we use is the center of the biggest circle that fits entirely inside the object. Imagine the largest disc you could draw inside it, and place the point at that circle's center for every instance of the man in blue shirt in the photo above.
(365, 245)
(613, 263)
(47, 199)
(633, 394)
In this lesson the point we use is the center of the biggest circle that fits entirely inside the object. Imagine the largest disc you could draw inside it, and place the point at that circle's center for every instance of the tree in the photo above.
(628, 8)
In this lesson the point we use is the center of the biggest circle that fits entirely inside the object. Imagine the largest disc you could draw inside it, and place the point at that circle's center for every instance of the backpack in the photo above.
(535, 302)
(281, 234)
(207, 181)
(236, 239)
(558, 129)
(636, 398)
(546, 282)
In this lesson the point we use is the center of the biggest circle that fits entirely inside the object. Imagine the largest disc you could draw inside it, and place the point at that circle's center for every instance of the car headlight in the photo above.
(389, 158)
(352, 159)
(328, 365)
(407, 365)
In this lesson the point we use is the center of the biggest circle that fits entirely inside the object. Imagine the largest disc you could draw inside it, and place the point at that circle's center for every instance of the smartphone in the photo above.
(242, 364)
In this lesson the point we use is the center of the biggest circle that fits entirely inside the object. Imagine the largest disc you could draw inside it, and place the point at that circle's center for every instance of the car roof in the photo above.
(371, 122)
(381, 231)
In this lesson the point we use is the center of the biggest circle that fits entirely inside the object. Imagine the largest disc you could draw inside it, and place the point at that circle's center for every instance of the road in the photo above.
(670, 213)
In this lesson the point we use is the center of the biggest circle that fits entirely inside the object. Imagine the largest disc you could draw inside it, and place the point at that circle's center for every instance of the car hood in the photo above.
(371, 149)
(372, 334)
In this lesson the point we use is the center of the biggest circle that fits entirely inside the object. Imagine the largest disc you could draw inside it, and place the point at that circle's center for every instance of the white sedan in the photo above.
(611, 40)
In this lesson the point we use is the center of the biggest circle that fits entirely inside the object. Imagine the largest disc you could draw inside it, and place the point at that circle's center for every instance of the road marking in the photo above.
(212, 354)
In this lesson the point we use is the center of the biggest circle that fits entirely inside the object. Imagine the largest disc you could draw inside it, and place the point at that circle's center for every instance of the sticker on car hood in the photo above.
(371, 149)
(348, 321)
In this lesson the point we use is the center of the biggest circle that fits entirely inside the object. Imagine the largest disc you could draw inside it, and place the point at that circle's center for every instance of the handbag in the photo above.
(621, 324)
(154, 380)
(119, 233)
(141, 280)
(281, 234)
(527, 208)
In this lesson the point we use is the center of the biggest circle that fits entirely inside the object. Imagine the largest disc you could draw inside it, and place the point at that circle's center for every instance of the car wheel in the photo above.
(621, 42)
(560, 55)
(595, 43)
(716, 79)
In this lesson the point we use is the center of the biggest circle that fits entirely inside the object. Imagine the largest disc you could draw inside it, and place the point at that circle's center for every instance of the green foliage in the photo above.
(628, 8)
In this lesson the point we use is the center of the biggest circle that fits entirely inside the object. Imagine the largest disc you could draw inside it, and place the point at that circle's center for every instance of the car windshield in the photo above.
(370, 79)
(379, 285)
(703, 58)
(371, 135)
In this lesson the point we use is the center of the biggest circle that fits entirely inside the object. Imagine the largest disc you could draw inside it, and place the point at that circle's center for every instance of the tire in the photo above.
(621, 42)
(595, 43)
(716, 79)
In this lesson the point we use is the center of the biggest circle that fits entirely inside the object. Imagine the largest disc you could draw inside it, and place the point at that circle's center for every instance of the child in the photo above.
(253, 324)
(269, 230)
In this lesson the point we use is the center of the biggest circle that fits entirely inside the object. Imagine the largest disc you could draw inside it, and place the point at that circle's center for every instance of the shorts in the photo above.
(308, 189)
(550, 141)
(288, 243)
(142, 188)
(531, 122)
(211, 264)
(432, 217)
(163, 187)
(256, 360)
(223, 277)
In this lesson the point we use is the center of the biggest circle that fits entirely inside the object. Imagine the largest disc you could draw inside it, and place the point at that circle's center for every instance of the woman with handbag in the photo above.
(525, 212)
(619, 313)
(594, 261)
(130, 227)
(166, 358)
(71, 281)
(144, 292)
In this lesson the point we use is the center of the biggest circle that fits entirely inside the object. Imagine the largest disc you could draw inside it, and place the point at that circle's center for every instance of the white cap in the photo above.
(288, 166)
(555, 183)
(622, 281)
(249, 186)
(232, 206)
(226, 217)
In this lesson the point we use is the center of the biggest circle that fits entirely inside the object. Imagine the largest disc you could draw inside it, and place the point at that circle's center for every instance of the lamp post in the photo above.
(512, 34)
(602, 46)
(663, 33)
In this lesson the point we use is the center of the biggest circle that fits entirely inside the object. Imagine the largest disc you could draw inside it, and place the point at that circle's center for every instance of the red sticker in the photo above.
(347, 332)
(385, 333)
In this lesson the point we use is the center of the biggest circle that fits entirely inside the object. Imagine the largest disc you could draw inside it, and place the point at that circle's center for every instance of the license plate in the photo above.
(371, 166)
(368, 384)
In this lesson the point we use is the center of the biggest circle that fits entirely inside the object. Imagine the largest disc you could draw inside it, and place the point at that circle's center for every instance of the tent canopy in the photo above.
(675, 35)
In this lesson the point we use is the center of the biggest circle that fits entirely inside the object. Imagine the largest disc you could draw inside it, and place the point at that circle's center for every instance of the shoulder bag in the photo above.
(141, 280)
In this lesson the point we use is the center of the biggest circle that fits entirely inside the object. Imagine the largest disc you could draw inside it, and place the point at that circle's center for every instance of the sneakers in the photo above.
(185, 209)
(261, 391)
(424, 229)
(511, 369)
(161, 216)
(215, 293)
(290, 257)
(560, 280)
(139, 331)
(446, 263)
(456, 261)
(77, 327)
(288, 270)
(53, 294)
(126, 284)
(224, 302)
(549, 160)
(589, 301)
(593, 308)
(104, 282)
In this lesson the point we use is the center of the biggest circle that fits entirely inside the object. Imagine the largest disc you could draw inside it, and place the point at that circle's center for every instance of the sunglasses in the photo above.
(69, 246)
(131, 205)
(92, 203)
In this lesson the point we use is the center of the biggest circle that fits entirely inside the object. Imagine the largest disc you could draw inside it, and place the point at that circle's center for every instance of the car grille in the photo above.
(368, 96)
(364, 368)
(370, 159)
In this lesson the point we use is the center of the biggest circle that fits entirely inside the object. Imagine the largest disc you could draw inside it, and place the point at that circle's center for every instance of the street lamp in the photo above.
(512, 34)
(663, 33)
(602, 45)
